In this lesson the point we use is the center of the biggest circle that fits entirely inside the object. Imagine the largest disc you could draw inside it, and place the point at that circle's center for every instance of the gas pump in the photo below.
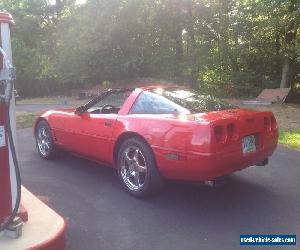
(10, 183)
(44, 228)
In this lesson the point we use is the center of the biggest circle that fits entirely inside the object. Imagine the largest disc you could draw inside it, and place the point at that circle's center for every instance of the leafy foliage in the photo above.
(225, 47)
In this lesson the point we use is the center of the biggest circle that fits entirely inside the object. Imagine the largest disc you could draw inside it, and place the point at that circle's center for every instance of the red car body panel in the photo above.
(185, 146)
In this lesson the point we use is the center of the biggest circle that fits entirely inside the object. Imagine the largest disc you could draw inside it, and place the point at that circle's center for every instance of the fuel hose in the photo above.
(12, 147)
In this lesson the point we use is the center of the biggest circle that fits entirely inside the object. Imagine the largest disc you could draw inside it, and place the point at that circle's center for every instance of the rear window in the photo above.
(167, 101)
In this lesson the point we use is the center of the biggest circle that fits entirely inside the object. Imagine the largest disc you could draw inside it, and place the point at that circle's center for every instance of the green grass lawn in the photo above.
(25, 120)
(290, 139)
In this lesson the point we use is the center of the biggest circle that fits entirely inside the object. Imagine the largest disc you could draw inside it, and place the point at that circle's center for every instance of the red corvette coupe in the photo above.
(156, 133)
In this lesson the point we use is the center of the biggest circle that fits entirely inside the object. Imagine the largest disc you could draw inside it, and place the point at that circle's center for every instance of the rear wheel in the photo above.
(44, 141)
(137, 168)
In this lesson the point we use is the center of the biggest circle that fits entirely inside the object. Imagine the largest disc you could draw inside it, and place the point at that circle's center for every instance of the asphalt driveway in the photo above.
(184, 216)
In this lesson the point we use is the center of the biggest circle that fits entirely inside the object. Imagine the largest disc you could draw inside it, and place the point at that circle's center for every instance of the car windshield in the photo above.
(174, 100)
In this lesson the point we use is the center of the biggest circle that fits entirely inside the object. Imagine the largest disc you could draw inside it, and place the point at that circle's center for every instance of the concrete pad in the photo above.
(45, 229)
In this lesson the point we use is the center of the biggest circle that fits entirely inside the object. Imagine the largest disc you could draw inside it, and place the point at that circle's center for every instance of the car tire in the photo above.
(137, 168)
(44, 141)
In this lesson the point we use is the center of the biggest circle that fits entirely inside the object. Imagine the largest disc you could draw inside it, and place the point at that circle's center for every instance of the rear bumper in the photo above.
(208, 166)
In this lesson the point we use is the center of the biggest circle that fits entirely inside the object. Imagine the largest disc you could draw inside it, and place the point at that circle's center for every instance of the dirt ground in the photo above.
(287, 115)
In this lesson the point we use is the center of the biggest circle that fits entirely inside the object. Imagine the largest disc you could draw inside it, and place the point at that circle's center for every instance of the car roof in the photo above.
(146, 86)
(159, 85)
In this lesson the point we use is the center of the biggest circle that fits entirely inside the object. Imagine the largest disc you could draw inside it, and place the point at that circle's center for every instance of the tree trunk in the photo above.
(290, 36)
(178, 52)
(192, 54)
(178, 45)
(285, 72)
(59, 7)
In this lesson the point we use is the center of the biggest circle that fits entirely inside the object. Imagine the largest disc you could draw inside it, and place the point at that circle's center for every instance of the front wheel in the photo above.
(44, 141)
(137, 168)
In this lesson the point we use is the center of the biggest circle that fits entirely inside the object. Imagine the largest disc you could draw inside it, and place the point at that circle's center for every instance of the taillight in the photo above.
(273, 123)
(218, 130)
(267, 123)
(225, 133)
(231, 131)
(270, 123)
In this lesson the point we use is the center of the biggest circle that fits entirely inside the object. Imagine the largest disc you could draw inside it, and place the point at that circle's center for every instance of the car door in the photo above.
(90, 132)
(91, 135)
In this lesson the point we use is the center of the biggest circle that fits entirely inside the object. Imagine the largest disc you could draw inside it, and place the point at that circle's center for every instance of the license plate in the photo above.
(249, 144)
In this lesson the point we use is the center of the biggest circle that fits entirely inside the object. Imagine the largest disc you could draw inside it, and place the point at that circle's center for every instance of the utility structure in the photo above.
(31, 222)
(10, 183)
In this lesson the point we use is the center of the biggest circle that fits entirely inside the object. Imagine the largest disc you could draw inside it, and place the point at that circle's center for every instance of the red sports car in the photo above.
(158, 133)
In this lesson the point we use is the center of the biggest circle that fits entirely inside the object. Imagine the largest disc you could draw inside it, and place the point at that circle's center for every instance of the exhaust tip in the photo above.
(218, 182)
(210, 183)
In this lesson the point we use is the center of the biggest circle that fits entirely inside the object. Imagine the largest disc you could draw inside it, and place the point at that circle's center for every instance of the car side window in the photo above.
(115, 99)
(111, 103)
(150, 103)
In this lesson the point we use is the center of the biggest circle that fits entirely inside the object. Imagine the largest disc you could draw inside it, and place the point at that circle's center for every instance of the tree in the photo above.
(289, 41)
(235, 47)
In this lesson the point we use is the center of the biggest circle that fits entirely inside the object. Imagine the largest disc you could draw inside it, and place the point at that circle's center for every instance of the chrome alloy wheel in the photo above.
(44, 140)
(133, 168)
